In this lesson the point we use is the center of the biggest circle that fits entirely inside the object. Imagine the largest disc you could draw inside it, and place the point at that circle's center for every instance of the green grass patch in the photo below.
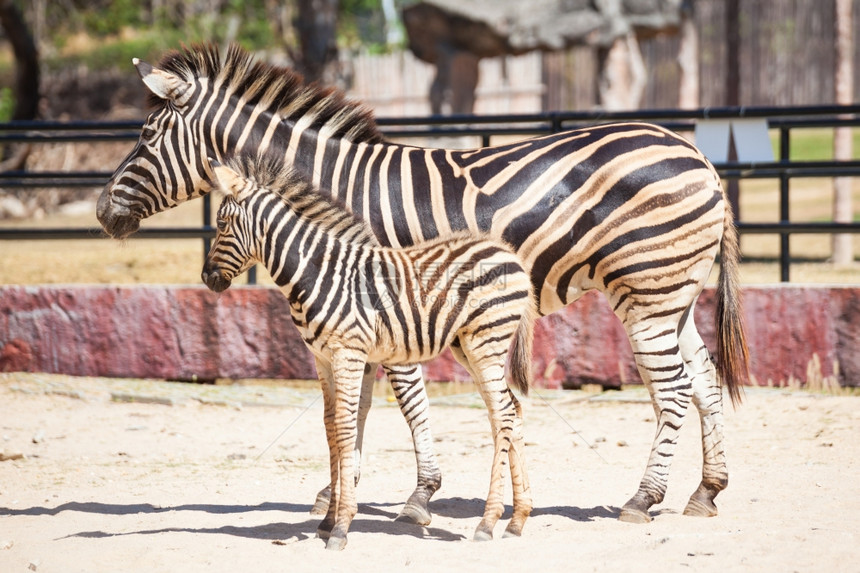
(150, 44)
(111, 54)
(814, 144)
(7, 103)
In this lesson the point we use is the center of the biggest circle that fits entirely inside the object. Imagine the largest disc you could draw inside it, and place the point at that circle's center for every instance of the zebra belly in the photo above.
(403, 352)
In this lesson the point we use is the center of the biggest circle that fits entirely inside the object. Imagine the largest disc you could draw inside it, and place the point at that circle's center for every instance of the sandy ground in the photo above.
(194, 478)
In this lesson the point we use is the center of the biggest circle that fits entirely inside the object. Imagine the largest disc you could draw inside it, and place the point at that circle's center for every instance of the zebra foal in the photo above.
(355, 302)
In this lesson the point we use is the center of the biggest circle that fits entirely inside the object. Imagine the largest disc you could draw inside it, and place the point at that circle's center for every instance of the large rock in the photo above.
(453, 35)
(495, 27)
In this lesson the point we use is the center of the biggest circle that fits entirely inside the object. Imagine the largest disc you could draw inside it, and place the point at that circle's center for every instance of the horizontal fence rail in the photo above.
(484, 127)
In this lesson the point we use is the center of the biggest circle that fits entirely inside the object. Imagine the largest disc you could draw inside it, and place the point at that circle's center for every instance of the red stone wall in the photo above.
(246, 332)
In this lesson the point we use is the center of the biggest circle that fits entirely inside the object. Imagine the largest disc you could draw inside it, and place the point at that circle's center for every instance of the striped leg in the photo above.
(708, 399)
(519, 477)
(505, 414)
(322, 501)
(658, 357)
(411, 394)
(327, 387)
(347, 369)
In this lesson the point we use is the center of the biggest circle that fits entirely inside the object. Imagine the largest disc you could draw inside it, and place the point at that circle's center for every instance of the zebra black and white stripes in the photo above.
(355, 302)
(629, 209)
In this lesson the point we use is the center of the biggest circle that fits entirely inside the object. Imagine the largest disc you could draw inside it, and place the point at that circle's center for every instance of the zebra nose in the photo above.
(213, 279)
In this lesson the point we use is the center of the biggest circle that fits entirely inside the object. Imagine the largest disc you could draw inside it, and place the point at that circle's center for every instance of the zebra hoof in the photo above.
(336, 543)
(632, 515)
(700, 507)
(483, 535)
(325, 528)
(321, 504)
(701, 503)
(413, 513)
(515, 532)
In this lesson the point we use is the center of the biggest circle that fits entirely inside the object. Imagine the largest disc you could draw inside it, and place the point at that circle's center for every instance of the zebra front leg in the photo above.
(322, 501)
(411, 394)
(708, 399)
(327, 386)
(347, 367)
(658, 358)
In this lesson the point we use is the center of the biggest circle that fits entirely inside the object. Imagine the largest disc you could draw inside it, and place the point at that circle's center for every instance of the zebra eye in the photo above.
(221, 224)
(147, 133)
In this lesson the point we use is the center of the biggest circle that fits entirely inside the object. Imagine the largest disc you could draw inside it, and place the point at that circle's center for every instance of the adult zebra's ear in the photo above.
(163, 84)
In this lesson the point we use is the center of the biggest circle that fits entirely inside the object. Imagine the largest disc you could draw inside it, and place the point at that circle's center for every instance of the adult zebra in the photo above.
(629, 209)
(354, 301)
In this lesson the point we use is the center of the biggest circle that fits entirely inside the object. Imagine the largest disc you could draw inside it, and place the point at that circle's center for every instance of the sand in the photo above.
(119, 475)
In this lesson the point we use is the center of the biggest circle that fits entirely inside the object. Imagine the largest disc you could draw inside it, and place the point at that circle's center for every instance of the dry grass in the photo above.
(815, 381)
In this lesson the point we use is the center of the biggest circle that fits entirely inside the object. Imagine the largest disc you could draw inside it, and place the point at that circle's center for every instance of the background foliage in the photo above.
(100, 33)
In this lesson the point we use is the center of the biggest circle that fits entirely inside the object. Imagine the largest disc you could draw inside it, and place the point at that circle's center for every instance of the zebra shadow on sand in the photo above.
(368, 520)
(134, 508)
(372, 518)
(461, 508)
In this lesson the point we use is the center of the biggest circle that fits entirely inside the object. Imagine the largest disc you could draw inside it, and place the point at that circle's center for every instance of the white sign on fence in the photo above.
(750, 137)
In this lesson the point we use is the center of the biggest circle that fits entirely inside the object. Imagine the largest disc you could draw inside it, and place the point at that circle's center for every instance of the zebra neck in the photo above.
(235, 128)
(250, 133)
(329, 163)
(300, 245)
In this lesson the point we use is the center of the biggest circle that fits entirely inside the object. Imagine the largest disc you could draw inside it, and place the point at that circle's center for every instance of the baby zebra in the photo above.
(355, 302)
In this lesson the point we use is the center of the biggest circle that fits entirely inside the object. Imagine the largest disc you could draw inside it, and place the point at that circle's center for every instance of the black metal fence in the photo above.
(785, 120)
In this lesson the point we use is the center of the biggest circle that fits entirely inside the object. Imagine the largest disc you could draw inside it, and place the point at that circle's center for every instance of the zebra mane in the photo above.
(305, 200)
(279, 89)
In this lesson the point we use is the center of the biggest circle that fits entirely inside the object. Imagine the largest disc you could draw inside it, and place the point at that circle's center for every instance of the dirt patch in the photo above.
(203, 478)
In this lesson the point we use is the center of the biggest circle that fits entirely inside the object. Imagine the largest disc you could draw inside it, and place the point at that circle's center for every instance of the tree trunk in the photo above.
(26, 62)
(622, 74)
(843, 251)
(688, 59)
(316, 24)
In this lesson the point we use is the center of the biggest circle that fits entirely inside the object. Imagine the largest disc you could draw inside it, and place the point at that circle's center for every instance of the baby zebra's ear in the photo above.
(228, 180)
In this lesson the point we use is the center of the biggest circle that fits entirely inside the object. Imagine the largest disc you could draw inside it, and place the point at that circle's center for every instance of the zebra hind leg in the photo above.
(519, 477)
(658, 357)
(708, 399)
(411, 394)
(505, 413)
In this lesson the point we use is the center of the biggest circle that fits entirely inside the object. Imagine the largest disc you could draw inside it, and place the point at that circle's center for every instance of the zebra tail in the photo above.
(732, 352)
(521, 355)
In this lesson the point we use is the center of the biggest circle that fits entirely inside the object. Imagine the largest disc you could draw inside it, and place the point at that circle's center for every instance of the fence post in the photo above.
(207, 222)
(784, 243)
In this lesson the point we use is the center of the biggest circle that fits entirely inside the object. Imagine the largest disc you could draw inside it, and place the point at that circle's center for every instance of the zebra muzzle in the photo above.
(216, 281)
(117, 220)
